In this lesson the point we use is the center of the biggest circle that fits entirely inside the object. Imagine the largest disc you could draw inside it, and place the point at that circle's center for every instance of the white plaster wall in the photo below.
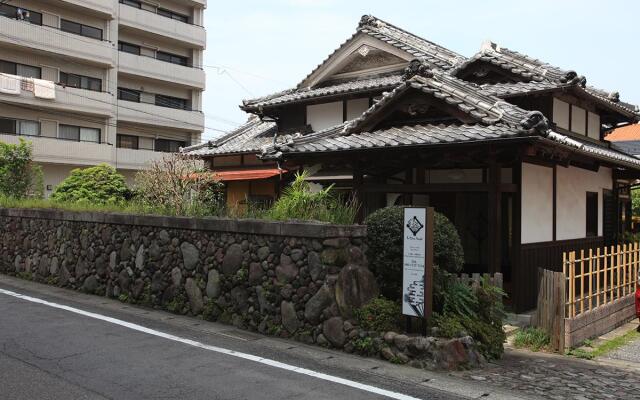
(572, 185)
(322, 116)
(356, 108)
(537, 203)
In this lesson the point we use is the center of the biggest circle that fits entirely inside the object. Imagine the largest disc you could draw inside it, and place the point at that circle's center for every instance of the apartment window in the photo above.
(171, 102)
(129, 95)
(592, 214)
(127, 142)
(173, 15)
(26, 71)
(81, 82)
(132, 3)
(169, 146)
(129, 48)
(81, 29)
(21, 14)
(19, 127)
(172, 58)
(79, 133)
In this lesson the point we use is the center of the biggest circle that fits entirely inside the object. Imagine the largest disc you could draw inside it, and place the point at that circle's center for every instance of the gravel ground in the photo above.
(629, 352)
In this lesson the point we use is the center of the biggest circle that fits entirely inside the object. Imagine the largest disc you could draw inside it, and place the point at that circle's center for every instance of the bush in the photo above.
(101, 184)
(20, 177)
(535, 339)
(477, 313)
(298, 202)
(380, 315)
(385, 237)
(179, 185)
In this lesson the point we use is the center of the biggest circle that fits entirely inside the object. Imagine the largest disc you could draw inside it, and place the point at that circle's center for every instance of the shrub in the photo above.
(20, 177)
(101, 184)
(380, 315)
(299, 202)
(179, 185)
(535, 339)
(385, 237)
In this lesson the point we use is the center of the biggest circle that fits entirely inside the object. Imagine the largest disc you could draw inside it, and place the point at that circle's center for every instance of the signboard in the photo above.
(417, 262)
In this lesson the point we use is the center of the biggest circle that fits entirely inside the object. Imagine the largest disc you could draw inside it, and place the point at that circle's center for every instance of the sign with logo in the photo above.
(417, 262)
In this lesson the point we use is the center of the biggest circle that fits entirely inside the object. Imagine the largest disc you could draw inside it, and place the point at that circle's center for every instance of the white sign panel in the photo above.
(415, 243)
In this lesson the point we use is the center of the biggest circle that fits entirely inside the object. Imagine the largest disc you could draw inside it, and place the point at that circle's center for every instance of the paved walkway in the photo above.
(558, 377)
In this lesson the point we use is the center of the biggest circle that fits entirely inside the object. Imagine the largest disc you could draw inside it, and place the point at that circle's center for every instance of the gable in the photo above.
(483, 72)
(360, 56)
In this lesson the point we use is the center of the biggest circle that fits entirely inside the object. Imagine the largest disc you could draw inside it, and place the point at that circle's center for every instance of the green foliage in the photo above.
(298, 202)
(384, 237)
(635, 202)
(380, 315)
(365, 346)
(101, 184)
(478, 313)
(178, 303)
(25, 275)
(211, 310)
(580, 353)
(20, 177)
(124, 297)
(532, 338)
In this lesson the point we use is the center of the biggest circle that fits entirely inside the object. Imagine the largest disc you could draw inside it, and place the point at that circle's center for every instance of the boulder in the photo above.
(90, 284)
(317, 303)
(140, 257)
(213, 284)
(289, 319)
(125, 250)
(157, 282)
(53, 268)
(316, 269)
(154, 250)
(263, 253)
(287, 270)
(255, 273)
(43, 266)
(65, 276)
(333, 330)
(190, 255)
(164, 237)
(263, 302)
(297, 255)
(232, 261)
(194, 294)
(124, 281)
(81, 268)
(176, 276)
(355, 287)
(113, 260)
(101, 266)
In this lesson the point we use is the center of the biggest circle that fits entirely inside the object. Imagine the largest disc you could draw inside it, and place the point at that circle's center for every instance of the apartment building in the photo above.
(101, 81)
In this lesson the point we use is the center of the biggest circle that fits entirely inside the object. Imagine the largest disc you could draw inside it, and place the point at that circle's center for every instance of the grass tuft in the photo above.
(534, 339)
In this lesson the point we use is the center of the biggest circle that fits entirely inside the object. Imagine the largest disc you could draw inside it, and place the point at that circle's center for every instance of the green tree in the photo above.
(20, 177)
(635, 202)
(101, 184)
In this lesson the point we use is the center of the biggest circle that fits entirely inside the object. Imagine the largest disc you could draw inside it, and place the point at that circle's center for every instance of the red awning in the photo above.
(247, 174)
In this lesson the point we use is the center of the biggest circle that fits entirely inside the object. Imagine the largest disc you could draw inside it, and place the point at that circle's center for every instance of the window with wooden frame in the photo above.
(592, 214)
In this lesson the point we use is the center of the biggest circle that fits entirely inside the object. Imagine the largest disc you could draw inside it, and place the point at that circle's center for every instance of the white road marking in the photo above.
(233, 353)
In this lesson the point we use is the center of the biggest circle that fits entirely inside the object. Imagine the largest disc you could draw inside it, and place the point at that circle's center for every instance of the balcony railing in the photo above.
(66, 98)
(101, 6)
(136, 159)
(150, 114)
(153, 68)
(54, 150)
(53, 40)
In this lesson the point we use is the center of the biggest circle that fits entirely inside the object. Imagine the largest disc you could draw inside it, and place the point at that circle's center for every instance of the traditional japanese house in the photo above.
(510, 148)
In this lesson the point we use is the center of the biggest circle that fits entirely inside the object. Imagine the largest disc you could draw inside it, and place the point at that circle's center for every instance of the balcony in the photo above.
(147, 21)
(136, 159)
(67, 99)
(101, 7)
(152, 68)
(53, 150)
(150, 114)
(53, 40)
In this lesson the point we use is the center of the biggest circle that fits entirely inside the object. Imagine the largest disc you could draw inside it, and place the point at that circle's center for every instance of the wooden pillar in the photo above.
(518, 278)
(494, 215)
(358, 192)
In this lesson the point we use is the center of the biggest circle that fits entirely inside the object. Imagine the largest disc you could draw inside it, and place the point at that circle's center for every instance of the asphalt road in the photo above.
(51, 353)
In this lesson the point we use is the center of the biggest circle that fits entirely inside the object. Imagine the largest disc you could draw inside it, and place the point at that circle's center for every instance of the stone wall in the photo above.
(300, 280)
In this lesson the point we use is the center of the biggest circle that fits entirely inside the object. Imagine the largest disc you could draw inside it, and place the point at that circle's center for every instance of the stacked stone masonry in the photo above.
(299, 280)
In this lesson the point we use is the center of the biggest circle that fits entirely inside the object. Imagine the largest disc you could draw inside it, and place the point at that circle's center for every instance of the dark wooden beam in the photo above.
(555, 201)
(494, 216)
(436, 187)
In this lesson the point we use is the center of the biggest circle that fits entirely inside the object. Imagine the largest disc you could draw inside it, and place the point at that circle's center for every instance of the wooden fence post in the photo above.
(598, 287)
(572, 283)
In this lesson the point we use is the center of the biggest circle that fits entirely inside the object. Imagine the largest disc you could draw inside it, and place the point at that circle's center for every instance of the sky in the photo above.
(257, 47)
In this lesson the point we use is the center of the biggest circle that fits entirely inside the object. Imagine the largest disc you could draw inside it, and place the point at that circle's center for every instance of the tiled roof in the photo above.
(631, 147)
(594, 150)
(398, 137)
(512, 89)
(436, 55)
(527, 67)
(625, 133)
(482, 107)
(291, 96)
(250, 137)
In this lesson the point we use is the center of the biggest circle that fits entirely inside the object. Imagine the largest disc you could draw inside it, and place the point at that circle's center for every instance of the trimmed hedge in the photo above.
(384, 237)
